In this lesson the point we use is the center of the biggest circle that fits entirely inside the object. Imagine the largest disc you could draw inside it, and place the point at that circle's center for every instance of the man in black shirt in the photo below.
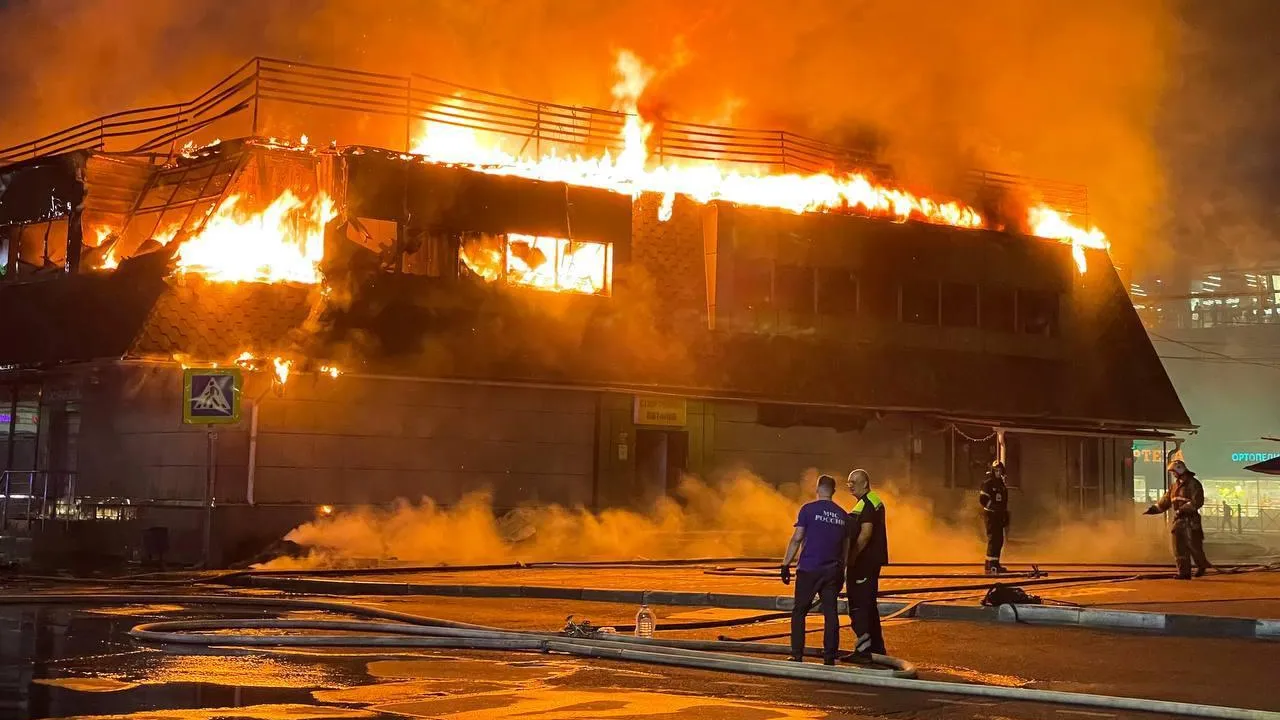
(868, 552)
(994, 498)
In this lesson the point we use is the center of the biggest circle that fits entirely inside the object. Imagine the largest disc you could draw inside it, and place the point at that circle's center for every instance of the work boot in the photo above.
(1201, 571)
(793, 658)
(991, 568)
(859, 658)
(828, 661)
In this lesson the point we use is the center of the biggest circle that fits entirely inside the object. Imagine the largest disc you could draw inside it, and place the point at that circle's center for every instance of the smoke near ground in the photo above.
(739, 515)
(1063, 89)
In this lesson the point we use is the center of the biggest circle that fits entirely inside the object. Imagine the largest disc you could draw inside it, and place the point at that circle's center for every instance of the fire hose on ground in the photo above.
(406, 631)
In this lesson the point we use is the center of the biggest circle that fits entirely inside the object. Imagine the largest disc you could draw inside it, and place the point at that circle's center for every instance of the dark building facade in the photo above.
(629, 351)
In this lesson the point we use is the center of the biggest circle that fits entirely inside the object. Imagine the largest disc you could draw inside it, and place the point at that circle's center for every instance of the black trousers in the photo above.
(1188, 545)
(826, 586)
(995, 537)
(862, 589)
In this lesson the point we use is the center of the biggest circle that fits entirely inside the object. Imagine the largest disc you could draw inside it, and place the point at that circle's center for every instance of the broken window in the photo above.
(35, 247)
(545, 263)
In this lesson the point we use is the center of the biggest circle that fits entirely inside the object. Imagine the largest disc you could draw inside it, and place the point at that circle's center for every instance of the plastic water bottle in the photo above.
(645, 622)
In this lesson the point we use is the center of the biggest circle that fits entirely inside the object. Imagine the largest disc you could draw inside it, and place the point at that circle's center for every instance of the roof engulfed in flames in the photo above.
(631, 173)
(285, 241)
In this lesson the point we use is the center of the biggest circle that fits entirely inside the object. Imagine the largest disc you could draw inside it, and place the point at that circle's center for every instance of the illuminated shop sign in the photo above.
(1148, 455)
(1254, 457)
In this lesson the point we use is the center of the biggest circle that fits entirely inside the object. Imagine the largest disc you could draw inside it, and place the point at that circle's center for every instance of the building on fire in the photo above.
(438, 326)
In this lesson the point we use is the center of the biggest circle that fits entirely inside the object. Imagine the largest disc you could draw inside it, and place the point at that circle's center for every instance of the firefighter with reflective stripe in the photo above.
(1185, 497)
(994, 498)
(868, 552)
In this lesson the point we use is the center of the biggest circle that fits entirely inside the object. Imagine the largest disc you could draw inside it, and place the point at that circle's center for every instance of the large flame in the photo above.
(631, 173)
(283, 243)
(546, 263)
(1049, 223)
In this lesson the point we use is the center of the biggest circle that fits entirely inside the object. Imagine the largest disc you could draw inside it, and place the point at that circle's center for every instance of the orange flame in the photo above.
(282, 368)
(630, 174)
(1049, 223)
(102, 234)
(284, 243)
(545, 263)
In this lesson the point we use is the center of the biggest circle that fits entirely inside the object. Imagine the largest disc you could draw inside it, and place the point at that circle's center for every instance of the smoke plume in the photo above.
(1058, 88)
(737, 515)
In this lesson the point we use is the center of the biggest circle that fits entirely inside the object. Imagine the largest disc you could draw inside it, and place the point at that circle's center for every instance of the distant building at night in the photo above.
(1218, 334)
(550, 342)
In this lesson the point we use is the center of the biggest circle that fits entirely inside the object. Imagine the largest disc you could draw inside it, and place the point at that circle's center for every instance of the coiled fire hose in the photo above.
(411, 631)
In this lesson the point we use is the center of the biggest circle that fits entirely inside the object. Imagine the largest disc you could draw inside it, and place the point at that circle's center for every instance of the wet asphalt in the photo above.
(79, 662)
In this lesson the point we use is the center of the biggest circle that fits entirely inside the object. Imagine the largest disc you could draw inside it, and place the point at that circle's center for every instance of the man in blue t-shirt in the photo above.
(821, 527)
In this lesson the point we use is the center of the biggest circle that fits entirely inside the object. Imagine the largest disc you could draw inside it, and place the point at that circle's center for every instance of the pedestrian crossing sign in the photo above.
(211, 395)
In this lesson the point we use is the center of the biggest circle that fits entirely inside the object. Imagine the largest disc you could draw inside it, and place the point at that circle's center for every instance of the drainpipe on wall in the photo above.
(1000, 446)
(253, 452)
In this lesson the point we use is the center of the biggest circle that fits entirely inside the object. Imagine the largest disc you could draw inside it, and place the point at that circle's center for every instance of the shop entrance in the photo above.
(662, 456)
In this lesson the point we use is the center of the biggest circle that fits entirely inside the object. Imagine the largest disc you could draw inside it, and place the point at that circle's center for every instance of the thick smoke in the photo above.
(737, 515)
(1057, 88)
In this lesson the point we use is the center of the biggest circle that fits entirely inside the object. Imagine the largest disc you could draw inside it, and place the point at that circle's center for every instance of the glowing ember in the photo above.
(330, 370)
(190, 150)
(546, 263)
(284, 243)
(629, 173)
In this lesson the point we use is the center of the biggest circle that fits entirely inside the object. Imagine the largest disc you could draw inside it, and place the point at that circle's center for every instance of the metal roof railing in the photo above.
(532, 125)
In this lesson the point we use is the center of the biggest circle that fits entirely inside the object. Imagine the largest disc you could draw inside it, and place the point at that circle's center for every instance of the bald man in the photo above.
(868, 552)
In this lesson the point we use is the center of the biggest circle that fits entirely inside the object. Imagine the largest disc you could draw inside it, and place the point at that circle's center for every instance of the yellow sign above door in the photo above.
(665, 411)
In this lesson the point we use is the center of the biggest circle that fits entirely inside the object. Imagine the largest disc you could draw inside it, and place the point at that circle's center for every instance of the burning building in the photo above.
(562, 305)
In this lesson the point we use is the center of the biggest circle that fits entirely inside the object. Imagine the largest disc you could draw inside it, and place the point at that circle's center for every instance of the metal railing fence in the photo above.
(530, 126)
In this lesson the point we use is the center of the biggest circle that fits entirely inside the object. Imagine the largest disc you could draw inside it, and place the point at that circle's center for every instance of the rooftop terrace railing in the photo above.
(530, 128)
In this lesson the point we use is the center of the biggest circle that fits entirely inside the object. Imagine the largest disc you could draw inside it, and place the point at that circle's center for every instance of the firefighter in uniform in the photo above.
(1185, 497)
(994, 498)
(868, 552)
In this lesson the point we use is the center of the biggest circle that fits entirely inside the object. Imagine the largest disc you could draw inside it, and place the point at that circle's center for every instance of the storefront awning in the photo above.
(1266, 467)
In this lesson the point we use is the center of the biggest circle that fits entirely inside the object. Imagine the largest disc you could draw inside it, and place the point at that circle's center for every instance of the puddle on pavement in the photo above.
(253, 712)
(86, 684)
(975, 676)
(558, 704)
(457, 668)
(81, 664)
(136, 610)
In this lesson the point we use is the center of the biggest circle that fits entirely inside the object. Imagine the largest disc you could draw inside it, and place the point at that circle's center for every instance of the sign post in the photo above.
(210, 397)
